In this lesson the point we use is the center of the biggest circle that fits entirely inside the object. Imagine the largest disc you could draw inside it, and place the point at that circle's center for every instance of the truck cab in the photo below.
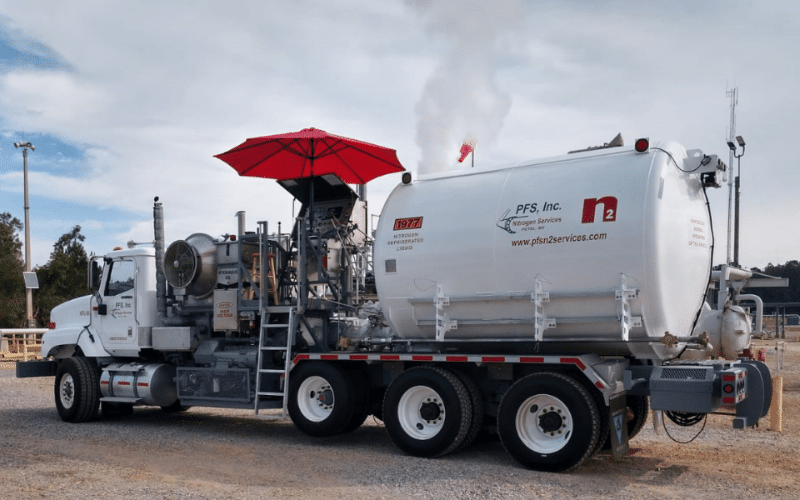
(117, 319)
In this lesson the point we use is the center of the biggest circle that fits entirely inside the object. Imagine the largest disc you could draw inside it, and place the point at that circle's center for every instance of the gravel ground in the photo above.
(220, 454)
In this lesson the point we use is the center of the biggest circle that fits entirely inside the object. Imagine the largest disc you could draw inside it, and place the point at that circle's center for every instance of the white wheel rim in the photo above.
(315, 399)
(416, 404)
(66, 391)
(544, 423)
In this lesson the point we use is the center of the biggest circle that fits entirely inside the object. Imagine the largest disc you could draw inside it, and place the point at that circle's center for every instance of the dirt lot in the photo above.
(216, 454)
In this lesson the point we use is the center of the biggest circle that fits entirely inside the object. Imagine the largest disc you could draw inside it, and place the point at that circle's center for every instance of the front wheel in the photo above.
(548, 422)
(321, 399)
(77, 390)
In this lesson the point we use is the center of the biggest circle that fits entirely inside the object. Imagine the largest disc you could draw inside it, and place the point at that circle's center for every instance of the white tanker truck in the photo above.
(552, 302)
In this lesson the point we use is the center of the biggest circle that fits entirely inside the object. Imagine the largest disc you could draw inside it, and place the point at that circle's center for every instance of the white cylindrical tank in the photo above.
(619, 243)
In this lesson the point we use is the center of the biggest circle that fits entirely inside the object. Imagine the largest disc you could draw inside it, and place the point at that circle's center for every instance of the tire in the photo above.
(360, 401)
(476, 400)
(77, 390)
(604, 438)
(427, 412)
(635, 415)
(175, 407)
(548, 422)
(321, 399)
(638, 407)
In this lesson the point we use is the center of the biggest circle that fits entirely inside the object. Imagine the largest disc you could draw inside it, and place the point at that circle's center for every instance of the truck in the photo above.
(554, 303)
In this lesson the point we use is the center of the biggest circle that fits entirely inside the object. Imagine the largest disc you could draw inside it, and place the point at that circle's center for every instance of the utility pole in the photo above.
(738, 157)
(28, 289)
(734, 95)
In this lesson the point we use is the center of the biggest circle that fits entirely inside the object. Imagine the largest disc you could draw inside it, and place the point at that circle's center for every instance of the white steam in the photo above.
(461, 101)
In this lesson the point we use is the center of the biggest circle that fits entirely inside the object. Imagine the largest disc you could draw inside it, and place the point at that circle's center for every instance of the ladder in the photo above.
(272, 382)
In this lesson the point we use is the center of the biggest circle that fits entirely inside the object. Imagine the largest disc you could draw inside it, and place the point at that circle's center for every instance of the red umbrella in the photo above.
(311, 152)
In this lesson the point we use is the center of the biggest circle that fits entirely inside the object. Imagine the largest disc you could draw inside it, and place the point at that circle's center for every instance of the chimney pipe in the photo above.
(242, 225)
(161, 279)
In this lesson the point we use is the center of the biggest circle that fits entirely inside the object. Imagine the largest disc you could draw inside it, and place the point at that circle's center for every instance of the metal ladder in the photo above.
(268, 399)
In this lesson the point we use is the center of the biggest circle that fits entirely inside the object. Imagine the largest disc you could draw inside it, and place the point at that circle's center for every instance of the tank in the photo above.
(601, 252)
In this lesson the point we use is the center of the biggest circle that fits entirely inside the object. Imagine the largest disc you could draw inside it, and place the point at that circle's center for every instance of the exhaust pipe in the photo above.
(161, 278)
(240, 216)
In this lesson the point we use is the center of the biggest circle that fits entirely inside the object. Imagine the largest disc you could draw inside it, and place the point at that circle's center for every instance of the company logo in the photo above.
(224, 305)
(609, 204)
(407, 223)
(505, 222)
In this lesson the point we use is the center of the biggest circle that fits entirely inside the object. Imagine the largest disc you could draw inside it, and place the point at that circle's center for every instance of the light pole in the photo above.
(28, 290)
(736, 199)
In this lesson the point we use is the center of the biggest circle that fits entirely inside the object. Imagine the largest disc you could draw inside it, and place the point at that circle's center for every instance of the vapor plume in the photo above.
(462, 101)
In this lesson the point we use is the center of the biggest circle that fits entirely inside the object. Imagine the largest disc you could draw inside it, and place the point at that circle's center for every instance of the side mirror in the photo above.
(95, 275)
(102, 309)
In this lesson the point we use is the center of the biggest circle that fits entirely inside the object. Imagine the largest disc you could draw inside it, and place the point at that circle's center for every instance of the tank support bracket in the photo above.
(627, 321)
(541, 321)
(443, 322)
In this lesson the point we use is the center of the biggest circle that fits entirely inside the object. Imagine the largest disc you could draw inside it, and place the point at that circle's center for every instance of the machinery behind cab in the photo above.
(223, 293)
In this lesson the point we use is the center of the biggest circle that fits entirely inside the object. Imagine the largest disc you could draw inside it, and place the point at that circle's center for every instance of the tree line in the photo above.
(61, 279)
(787, 295)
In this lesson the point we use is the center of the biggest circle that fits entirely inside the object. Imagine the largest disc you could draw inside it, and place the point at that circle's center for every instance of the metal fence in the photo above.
(21, 343)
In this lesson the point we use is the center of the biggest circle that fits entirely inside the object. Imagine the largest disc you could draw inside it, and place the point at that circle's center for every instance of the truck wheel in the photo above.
(175, 407)
(360, 401)
(638, 406)
(77, 390)
(476, 399)
(321, 399)
(548, 422)
(635, 415)
(604, 438)
(427, 412)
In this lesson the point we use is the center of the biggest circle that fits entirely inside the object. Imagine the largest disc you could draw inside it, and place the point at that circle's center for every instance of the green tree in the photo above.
(12, 286)
(63, 277)
(790, 294)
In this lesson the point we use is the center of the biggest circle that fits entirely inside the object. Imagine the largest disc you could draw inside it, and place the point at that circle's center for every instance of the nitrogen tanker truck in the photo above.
(553, 302)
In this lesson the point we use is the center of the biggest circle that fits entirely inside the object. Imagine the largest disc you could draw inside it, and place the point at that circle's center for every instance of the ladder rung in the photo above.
(273, 348)
(271, 370)
(270, 394)
(276, 325)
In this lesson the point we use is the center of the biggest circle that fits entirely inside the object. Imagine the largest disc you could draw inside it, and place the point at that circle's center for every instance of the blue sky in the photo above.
(127, 101)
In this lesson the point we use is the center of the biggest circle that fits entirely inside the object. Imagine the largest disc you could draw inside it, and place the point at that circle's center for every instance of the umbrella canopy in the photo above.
(311, 152)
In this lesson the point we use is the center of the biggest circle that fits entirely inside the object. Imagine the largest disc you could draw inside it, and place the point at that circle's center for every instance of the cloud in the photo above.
(148, 92)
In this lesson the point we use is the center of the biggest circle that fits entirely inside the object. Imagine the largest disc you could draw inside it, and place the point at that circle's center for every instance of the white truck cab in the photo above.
(117, 320)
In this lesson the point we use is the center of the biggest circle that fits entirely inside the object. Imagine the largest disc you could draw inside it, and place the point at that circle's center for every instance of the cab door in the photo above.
(119, 326)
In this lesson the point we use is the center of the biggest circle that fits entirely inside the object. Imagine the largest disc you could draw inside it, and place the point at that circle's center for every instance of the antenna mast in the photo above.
(734, 95)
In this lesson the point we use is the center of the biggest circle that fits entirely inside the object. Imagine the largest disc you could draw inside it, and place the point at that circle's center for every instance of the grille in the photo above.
(684, 373)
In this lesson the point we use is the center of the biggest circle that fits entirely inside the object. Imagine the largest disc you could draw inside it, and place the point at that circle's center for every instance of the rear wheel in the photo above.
(638, 407)
(360, 401)
(427, 412)
(548, 422)
(77, 390)
(321, 399)
(175, 407)
(476, 400)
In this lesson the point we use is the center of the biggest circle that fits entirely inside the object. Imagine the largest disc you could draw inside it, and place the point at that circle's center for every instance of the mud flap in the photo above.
(759, 395)
(619, 425)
